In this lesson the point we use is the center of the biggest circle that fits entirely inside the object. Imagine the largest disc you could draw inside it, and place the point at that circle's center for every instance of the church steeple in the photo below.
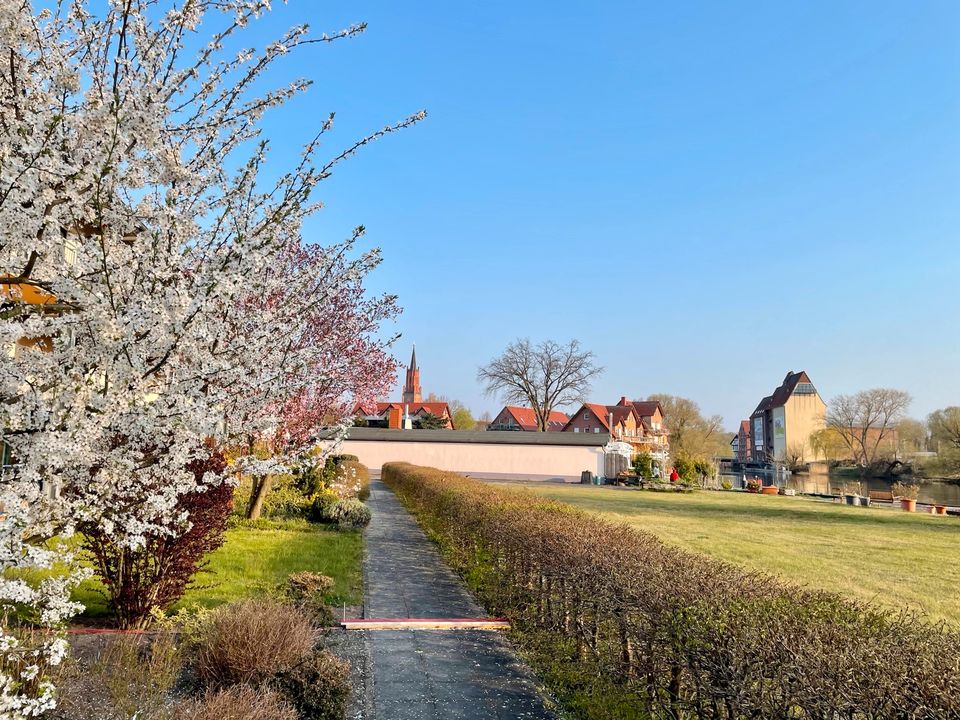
(411, 388)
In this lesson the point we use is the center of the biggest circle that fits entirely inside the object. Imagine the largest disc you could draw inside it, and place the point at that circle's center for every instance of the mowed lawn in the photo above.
(888, 556)
(255, 560)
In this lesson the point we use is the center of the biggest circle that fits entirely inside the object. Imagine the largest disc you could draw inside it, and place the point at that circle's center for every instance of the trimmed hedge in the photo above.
(606, 611)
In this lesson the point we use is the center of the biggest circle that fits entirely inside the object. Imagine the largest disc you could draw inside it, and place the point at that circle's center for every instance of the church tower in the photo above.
(411, 388)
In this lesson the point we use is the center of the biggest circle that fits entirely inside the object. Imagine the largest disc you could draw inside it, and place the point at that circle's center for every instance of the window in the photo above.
(805, 389)
(586, 414)
(70, 246)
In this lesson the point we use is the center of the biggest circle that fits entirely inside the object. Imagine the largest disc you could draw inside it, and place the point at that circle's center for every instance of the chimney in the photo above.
(610, 423)
(623, 400)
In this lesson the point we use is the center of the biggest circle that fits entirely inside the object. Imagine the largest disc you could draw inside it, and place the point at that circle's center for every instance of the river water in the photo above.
(932, 492)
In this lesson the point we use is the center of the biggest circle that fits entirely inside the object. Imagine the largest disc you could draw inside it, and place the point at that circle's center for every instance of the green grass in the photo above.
(257, 558)
(887, 556)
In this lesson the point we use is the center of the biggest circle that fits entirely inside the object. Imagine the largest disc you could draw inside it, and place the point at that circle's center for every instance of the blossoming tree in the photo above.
(155, 294)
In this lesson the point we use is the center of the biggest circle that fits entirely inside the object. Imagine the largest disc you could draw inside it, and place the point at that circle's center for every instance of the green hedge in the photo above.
(622, 625)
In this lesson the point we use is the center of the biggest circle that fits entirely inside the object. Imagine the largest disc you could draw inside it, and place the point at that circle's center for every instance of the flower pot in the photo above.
(940, 509)
(853, 499)
(865, 501)
(908, 504)
(770, 490)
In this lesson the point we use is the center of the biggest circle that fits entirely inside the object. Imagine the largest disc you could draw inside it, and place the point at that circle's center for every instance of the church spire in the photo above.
(411, 388)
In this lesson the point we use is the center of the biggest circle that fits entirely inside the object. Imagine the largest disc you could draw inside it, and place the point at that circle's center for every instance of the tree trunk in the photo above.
(258, 494)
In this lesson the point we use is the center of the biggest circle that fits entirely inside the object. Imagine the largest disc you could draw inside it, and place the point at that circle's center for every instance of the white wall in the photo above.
(536, 462)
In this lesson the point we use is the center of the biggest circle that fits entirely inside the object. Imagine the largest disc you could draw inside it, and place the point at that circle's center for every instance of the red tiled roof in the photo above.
(527, 418)
(600, 411)
(620, 413)
(437, 408)
(647, 408)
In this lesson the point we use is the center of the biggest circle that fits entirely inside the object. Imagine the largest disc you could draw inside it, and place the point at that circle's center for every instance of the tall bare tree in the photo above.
(867, 421)
(544, 376)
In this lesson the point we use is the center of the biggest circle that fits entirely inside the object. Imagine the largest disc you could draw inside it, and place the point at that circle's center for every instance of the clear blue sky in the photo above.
(707, 195)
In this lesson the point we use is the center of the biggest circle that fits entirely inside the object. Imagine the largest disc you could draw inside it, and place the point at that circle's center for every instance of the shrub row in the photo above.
(658, 631)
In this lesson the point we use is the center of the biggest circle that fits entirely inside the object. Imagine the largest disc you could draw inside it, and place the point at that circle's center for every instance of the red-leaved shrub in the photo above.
(157, 574)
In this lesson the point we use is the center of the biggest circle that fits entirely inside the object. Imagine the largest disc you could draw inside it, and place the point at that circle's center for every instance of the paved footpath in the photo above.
(433, 674)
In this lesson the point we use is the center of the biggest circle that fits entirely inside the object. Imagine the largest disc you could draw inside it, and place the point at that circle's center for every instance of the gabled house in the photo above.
(594, 418)
(411, 407)
(650, 412)
(392, 414)
(524, 419)
(782, 423)
(740, 444)
(637, 422)
(655, 439)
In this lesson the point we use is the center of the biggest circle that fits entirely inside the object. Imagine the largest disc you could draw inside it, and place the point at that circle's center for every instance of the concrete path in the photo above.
(433, 674)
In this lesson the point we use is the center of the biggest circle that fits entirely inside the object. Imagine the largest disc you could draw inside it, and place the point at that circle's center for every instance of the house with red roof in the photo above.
(391, 414)
(524, 419)
(410, 411)
(637, 422)
(740, 443)
(616, 420)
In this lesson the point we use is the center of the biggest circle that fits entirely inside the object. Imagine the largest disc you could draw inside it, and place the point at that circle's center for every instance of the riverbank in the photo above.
(819, 482)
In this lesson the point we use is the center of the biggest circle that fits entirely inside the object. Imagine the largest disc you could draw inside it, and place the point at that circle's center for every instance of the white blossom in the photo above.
(155, 292)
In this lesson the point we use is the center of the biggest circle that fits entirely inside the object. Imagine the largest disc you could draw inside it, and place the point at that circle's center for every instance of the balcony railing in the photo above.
(641, 438)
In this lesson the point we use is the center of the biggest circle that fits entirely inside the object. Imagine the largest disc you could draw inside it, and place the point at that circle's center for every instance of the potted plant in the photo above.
(753, 485)
(907, 493)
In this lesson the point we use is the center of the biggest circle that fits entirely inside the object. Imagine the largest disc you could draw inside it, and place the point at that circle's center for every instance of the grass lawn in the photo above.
(257, 558)
(888, 556)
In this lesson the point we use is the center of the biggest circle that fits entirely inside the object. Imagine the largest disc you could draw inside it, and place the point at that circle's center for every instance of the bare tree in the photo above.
(912, 435)
(691, 433)
(866, 420)
(545, 376)
(944, 426)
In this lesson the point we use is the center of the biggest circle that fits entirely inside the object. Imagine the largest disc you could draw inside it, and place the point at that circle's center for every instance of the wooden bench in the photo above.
(881, 496)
